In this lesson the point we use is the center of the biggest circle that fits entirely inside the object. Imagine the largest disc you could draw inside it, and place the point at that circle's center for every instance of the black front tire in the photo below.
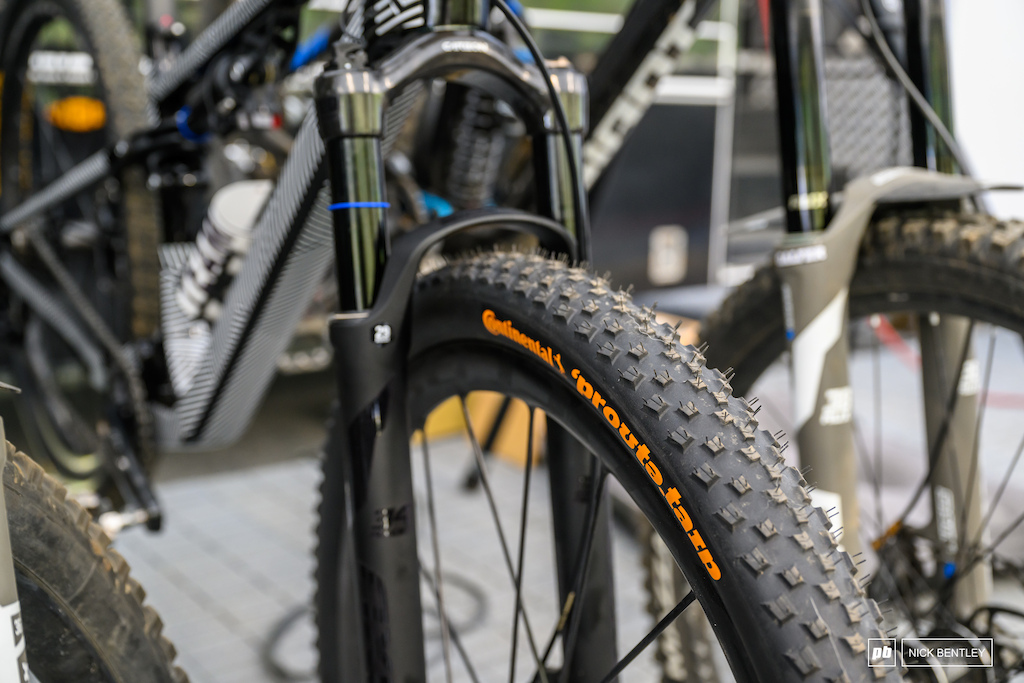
(784, 601)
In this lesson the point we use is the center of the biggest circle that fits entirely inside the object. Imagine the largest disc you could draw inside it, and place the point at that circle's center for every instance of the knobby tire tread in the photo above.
(59, 550)
(787, 589)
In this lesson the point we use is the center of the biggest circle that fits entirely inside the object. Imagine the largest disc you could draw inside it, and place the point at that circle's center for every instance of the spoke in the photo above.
(665, 622)
(439, 582)
(876, 477)
(575, 598)
(983, 555)
(456, 641)
(858, 435)
(485, 481)
(940, 440)
(973, 469)
(999, 493)
(522, 543)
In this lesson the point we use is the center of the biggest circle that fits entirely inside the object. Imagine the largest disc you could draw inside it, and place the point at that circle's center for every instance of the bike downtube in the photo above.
(13, 658)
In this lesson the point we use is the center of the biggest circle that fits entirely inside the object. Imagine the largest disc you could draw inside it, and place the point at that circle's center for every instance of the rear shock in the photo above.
(479, 139)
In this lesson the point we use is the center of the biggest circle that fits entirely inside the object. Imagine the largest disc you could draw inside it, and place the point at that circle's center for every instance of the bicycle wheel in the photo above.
(915, 270)
(765, 568)
(83, 614)
(71, 85)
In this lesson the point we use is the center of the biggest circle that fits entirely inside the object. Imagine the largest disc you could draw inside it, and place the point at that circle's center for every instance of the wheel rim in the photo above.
(429, 385)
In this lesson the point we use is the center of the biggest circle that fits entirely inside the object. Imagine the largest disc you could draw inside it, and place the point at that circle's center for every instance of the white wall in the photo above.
(987, 72)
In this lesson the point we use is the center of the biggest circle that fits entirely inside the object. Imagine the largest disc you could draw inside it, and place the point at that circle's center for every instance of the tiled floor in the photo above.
(236, 557)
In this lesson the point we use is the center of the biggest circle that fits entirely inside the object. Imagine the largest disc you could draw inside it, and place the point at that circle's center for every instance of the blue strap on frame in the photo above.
(358, 205)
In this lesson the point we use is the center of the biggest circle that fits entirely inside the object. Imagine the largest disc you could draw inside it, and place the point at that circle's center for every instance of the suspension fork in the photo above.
(956, 483)
(815, 299)
(378, 545)
(379, 577)
(13, 661)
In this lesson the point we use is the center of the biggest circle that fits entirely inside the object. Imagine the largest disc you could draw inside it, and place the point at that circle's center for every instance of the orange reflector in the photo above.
(77, 114)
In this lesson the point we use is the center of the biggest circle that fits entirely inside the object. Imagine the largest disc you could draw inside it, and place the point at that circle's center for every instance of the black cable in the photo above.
(473, 589)
(579, 193)
(283, 625)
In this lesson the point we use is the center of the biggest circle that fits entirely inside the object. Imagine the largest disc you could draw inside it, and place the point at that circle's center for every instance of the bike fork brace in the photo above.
(379, 597)
(816, 270)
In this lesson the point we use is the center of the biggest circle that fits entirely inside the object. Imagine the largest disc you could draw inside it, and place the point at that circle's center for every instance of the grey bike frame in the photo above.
(817, 260)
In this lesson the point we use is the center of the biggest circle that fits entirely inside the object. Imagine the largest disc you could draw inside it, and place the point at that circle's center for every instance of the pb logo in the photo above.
(882, 652)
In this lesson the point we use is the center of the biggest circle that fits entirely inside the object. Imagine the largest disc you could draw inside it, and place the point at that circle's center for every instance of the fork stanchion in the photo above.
(350, 109)
(379, 573)
(804, 146)
(552, 158)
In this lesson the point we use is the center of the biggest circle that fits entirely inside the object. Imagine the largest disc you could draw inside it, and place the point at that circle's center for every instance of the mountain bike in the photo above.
(904, 266)
(621, 395)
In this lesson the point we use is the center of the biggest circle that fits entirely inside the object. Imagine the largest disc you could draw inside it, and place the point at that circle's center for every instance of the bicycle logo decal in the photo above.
(505, 328)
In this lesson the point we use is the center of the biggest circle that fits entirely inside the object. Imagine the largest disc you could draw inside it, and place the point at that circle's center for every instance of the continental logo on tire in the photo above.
(643, 456)
(505, 328)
